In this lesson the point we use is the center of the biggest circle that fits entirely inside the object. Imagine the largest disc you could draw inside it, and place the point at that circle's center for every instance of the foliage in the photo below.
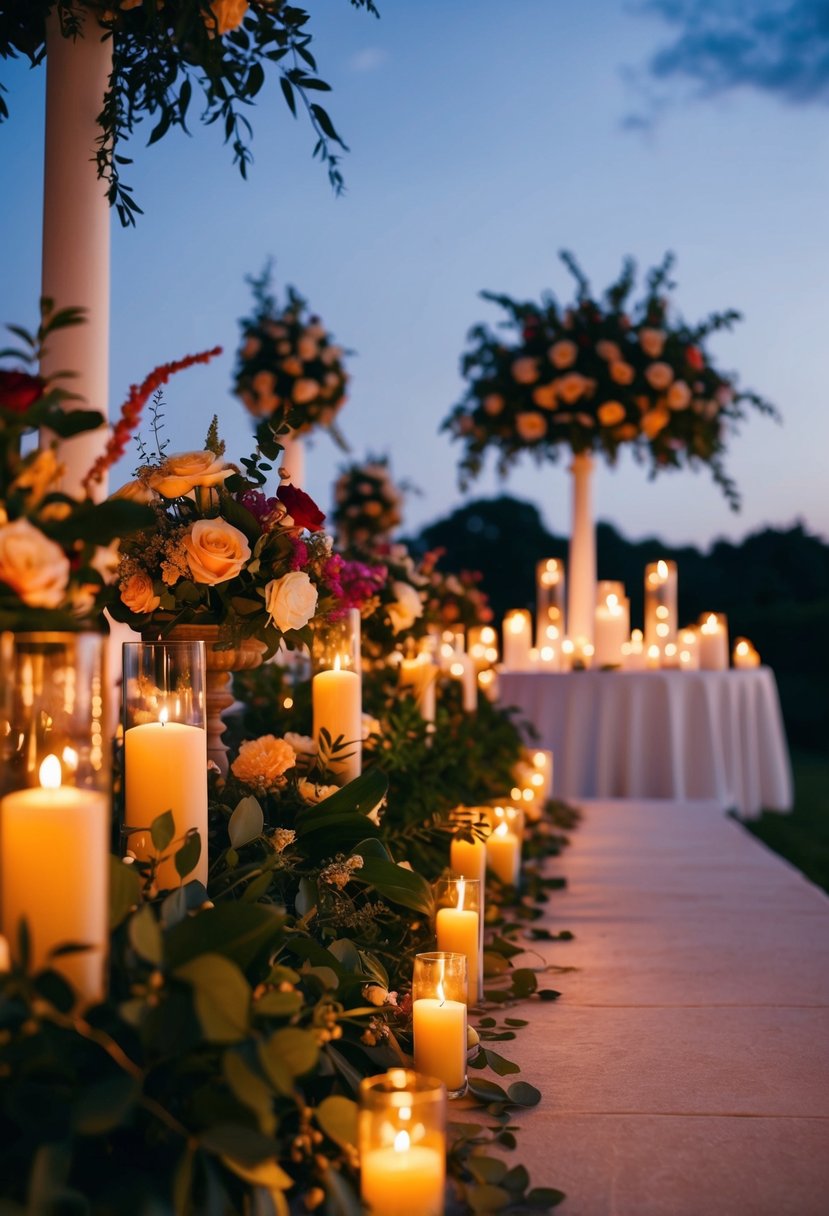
(597, 374)
(170, 57)
(56, 552)
(289, 373)
(454, 600)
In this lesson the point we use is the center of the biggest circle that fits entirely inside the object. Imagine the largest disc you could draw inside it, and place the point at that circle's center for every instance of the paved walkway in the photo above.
(685, 1069)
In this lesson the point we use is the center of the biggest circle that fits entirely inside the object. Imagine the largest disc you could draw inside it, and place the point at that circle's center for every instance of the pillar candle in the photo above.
(419, 675)
(462, 669)
(439, 1028)
(549, 615)
(54, 867)
(488, 683)
(338, 708)
(503, 855)
(653, 658)
(567, 651)
(482, 645)
(165, 769)
(688, 650)
(633, 655)
(744, 654)
(612, 629)
(660, 603)
(458, 931)
(713, 642)
(468, 858)
(403, 1179)
(517, 640)
(542, 763)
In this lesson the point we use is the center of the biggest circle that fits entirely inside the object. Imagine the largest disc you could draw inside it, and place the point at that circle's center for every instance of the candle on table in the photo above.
(337, 698)
(482, 645)
(612, 624)
(402, 1144)
(517, 640)
(713, 642)
(488, 683)
(660, 603)
(439, 991)
(419, 676)
(653, 659)
(633, 655)
(670, 655)
(404, 1179)
(549, 583)
(688, 650)
(458, 927)
(542, 762)
(462, 669)
(165, 769)
(54, 866)
(567, 651)
(582, 655)
(745, 654)
(503, 855)
(468, 858)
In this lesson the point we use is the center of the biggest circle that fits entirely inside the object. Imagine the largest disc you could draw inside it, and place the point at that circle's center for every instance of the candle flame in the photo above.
(662, 569)
(50, 774)
(461, 893)
(162, 717)
(502, 829)
(402, 1142)
(516, 623)
(612, 601)
(487, 635)
(456, 670)
(336, 666)
(636, 635)
(710, 622)
(567, 646)
(742, 648)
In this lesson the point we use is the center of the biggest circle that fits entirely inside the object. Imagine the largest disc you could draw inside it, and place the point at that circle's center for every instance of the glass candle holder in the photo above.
(439, 987)
(549, 603)
(503, 852)
(459, 926)
(165, 753)
(337, 697)
(401, 1133)
(660, 603)
(633, 654)
(712, 641)
(517, 639)
(55, 809)
(467, 857)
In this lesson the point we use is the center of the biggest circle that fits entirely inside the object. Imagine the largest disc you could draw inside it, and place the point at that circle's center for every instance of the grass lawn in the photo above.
(803, 836)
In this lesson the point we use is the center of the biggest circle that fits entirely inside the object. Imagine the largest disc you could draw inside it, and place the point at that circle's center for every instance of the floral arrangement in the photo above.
(220, 551)
(368, 506)
(454, 600)
(289, 372)
(398, 612)
(598, 374)
(166, 51)
(57, 552)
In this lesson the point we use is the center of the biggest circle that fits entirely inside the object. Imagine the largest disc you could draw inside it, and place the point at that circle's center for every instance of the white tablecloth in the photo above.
(660, 734)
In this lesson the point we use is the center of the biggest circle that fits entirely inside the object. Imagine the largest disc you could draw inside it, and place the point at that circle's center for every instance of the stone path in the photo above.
(685, 1069)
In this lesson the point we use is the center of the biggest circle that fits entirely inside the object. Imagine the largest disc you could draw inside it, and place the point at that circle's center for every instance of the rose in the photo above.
(525, 370)
(136, 491)
(571, 387)
(655, 421)
(530, 426)
(33, 565)
(659, 375)
(694, 358)
(545, 396)
(305, 391)
(493, 404)
(611, 413)
(229, 14)
(301, 507)
(216, 551)
(291, 600)
(262, 762)
(679, 395)
(652, 341)
(621, 372)
(38, 475)
(183, 471)
(138, 594)
(312, 791)
(563, 354)
(407, 608)
(303, 745)
(609, 351)
(19, 391)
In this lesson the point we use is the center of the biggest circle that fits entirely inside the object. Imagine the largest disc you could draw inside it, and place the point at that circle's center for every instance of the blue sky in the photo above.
(484, 138)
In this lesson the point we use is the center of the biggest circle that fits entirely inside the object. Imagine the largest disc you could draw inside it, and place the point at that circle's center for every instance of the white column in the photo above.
(293, 459)
(581, 591)
(76, 228)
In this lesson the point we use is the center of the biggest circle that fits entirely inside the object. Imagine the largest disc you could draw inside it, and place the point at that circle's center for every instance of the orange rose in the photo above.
(611, 413)
(138, 593)
(216, 551)
(182, 472)
(33, 565)
(655, 421)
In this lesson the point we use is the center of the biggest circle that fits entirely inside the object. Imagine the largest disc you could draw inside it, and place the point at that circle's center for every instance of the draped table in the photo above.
(660, 734)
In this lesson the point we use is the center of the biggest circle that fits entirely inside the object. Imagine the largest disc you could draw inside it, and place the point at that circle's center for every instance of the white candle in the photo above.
(567, 651)
(660, 603)
(458, 931)
(713, 642)
(688, 651)
(612, 628)
(503, 855)
(54, 868)
(419, 675)
(468, 858)
(549, 615)
(338, 708)
(653, 659)
(462, 669)
(517, 640)
(439, 1028)
(542, 762)
(488, 683)
(403, 1179)
(744, 654)
(482, 643)
(633, 655)
(165, 769)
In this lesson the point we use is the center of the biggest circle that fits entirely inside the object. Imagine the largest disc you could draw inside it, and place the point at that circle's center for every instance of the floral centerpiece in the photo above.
(289, 372)
(597, 374)
(368, 506)
(57, 552)
(454, 600)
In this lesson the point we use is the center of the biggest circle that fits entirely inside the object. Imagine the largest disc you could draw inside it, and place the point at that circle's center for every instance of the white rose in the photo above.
(530, 426)
(291, 600)
(652, 341)
(525, 370)
(183, 471)
(216, 551)
(33, 565)
(303, 745)
(563, 354)
(659, 375)
(408, 607)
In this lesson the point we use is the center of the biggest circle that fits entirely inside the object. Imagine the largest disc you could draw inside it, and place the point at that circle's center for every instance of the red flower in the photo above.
(19, 391)
(301, 507)
(694, 358)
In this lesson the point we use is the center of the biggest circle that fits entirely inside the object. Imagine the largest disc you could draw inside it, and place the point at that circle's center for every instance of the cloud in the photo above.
(779, 47)
(368, 60)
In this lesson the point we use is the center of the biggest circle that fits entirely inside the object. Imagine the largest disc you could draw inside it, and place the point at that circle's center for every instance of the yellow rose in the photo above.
(291, 600)
(655, 421)
(33, 565)
(138, 594)
(182, 472)
(216, 551)
(611, 413)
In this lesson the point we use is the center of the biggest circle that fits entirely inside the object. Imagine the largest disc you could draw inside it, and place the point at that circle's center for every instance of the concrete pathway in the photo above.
(685, 1069)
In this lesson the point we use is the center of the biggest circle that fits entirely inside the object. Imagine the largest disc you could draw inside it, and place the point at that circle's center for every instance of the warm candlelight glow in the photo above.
(662, 569)
(461, 892)
(515, 624)
(709, 625)
(50, 774)
(488, 635)
(741, 648)
(402, 1142)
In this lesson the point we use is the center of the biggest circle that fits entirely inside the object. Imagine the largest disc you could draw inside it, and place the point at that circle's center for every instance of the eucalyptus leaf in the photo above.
(401, 886)
(250, 1090)
(246, 823)
(484, 1198)
(242, 1144)
(499, 1064)
(162, 830)
(104, 1105)
(297, 1049)
(524, 1094)
(221, 996)
(337, 1116)
(236, 930)
(486, 1169)
(145, 936)
(278, 1004)
(487, 1091)
(124, 891)
(188, 854)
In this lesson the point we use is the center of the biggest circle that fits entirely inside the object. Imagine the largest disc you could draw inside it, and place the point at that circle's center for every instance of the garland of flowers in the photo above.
(597, 374)
(166, 51)
(289, 372)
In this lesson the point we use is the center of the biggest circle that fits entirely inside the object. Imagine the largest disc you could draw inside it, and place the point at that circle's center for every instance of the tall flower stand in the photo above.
(581, 575)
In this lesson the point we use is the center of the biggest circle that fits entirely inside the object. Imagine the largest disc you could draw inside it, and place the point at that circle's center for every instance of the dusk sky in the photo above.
(485, 137)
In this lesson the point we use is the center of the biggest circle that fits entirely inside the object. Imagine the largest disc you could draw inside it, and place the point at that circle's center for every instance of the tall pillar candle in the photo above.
(503, 855)
(688, 650)
(458, 927)
(713, 642)
(581, 596)
(338, 709)
(462, 669)
(419, 677)
(549, 602)
(612, 624)
(517, 640)
(661, 617)
(482, 645)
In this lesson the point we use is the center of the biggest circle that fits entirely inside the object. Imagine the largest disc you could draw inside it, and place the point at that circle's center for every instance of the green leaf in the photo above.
(162, 830)
(516, 1180)
(359, 797)
(524, 1094)
(278, 1004)
(485, 1199)
(405, 887)
(487, 1091)
(524, 982)
(145, 936)
(124, 891)
(104, 1105)
(250, 1090)
(236, 930)
(221, 995)
(337, 1116)
(486, 1169)
(499, 1064)
(542, 1198)
(246, 823)
(243, 1144)
(187, 856)
(297, 1050)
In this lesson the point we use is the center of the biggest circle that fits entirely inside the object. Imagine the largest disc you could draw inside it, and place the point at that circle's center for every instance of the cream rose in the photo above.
(563, 354)
(652, 341)
(407, 608)
(216, 551)
(182, 472)
(138, 594)
(525, 370)
(679, 395)
(291, 600)
(530, 426)
(33, 565)
(659, 375)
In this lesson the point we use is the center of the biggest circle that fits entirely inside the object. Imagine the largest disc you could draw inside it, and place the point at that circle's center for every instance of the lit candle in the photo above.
(482, 644)
(688, 650)
(744, 654)
(612, 624)
(567, 651)
(503, 854)
(633, 655)
(468, 858)
(165, 769)
(581, 657)
(54, 866)
(713, 642)
(439, 1024)
(488, 683)
(660, 603)
(462, 669)
(458, 931)
(549, 583)
(338, 708)
(653, 659)
(403, 1179)
(542, 762)
(517, 639)
(419, 676)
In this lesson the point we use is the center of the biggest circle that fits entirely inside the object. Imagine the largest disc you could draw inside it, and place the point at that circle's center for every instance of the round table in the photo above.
(659, 734)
